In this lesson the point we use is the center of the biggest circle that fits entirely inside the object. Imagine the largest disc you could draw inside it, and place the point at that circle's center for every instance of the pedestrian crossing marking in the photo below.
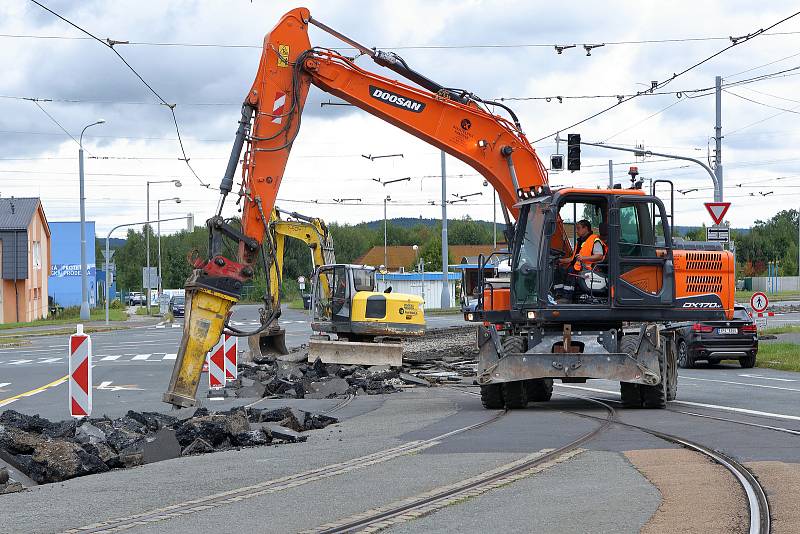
(110, 358)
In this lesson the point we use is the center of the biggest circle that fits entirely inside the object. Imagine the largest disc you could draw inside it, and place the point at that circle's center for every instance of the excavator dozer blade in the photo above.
(270, 342)
(355, 352)
(205, 319)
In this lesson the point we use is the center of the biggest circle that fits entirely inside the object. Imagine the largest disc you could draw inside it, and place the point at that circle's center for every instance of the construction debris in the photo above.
(49, 451)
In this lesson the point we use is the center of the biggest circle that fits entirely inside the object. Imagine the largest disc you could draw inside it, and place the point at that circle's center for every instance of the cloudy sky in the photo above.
(202, 55)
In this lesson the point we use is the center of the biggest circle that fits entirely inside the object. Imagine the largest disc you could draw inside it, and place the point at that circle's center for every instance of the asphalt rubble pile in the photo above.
(441, 356)
(49, 451)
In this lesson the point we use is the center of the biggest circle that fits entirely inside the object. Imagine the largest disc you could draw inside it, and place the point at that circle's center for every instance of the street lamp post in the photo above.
(108, 239)
(386, 199)
(84, 274)
(158, 216)
(147, 234)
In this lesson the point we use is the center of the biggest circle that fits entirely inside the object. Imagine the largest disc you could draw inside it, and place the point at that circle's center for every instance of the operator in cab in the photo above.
(589, 249)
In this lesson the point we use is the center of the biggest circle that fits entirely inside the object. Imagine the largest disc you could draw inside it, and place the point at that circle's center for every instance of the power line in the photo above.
(657, 85)
(109, 43)
(56, 122)
(563, 46)
(761, 103)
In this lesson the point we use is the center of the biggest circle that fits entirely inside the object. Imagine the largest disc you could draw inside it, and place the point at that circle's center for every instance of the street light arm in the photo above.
(80, 143)
(108, 238)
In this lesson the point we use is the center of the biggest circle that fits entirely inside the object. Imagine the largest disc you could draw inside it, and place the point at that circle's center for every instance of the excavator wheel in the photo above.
(492, 397)
(539, 389)
(630, 393)
(515, 394)
(656, 396)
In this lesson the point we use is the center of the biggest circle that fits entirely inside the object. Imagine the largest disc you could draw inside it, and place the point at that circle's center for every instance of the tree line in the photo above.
(350, 241)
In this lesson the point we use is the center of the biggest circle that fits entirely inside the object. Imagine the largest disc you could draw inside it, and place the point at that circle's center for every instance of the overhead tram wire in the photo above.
(679, 93)
(109, 43)
(676, 40)
(658, 85)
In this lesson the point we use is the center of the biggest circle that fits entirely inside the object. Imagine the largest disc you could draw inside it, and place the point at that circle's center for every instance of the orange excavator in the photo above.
(614, 325)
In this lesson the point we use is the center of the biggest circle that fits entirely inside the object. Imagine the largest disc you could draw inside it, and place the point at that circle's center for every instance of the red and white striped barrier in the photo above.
(80, 374)
(231, 349)
(216, 365)
(766, 314)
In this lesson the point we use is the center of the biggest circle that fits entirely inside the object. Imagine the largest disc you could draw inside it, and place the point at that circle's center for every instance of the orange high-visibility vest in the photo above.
(586, 250)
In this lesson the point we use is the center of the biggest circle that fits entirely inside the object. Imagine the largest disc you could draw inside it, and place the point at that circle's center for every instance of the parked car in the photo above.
(136, 299)
(177, 306)
(714, 341)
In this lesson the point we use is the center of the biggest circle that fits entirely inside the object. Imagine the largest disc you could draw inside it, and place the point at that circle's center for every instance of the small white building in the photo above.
(428, 285)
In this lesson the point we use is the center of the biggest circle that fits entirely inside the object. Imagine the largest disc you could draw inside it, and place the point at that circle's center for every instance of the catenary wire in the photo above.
(109, 44)
(661, 84)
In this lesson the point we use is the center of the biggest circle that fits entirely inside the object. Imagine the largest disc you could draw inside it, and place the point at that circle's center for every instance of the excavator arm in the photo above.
(456, 121)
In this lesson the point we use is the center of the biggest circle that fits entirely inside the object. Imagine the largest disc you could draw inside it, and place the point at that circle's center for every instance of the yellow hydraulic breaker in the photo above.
(206, 311)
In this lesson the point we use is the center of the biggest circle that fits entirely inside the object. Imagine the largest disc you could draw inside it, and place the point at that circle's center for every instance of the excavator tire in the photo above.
(656, 396)
(539, 389)
(515, 394)
(492, 397)
(630, 393)
(672, 368)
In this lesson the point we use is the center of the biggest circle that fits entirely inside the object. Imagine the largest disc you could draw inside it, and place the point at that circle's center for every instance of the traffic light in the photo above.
(573, 152)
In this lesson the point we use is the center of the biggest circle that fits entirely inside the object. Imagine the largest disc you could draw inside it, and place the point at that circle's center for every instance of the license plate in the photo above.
(727, 330)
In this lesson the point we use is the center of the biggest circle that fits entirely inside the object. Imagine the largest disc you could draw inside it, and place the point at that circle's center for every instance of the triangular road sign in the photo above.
(717, 210)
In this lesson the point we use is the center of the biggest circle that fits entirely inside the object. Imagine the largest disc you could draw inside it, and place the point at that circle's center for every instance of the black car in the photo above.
(714, 341)
(177, 305)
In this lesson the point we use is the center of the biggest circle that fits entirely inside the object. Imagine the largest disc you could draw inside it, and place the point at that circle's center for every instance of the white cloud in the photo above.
(326, 162)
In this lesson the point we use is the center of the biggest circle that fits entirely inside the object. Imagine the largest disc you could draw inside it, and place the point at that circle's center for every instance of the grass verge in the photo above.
(785, 329)
(97, 314)
(779, 355)
(142, 310)
(296, 304)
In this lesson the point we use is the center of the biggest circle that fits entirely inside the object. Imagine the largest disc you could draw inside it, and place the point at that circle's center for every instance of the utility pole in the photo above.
(386, 199)
(611, 174)
(718, 139)
(445, 271)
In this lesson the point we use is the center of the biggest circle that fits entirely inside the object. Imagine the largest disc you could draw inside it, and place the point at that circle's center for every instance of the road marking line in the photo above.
(739, 383)
(4, 384)
(54, 383)
(700, 404)
(19, 362)
(50, 360)
(141, 357)
(109, 358)
(170, 357)
(768, 378)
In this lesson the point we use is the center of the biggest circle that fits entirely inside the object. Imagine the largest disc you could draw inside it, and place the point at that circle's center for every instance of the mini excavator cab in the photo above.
(345, 302)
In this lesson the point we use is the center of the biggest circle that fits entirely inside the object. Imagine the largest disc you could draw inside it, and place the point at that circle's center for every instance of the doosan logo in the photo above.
(396, 100)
